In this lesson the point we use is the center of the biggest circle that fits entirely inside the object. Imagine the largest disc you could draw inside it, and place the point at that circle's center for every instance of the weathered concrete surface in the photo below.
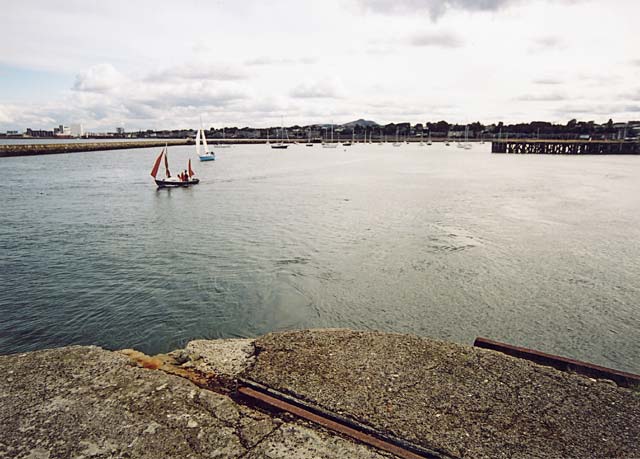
(76, 147)
(468, 402)
(81, 402)
(228, 357)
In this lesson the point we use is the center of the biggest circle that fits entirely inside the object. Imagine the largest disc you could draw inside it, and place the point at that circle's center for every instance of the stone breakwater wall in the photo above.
(57, 148)
(453, 400)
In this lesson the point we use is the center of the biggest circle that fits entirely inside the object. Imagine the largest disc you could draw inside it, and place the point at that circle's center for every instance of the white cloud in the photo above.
(281, 61)
(99, 78)
(437, 39)
(320, 88)
(200, 71)
(547, 81)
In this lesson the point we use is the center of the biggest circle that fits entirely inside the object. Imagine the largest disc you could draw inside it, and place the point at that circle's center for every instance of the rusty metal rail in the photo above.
(561, 363)
(273, 400)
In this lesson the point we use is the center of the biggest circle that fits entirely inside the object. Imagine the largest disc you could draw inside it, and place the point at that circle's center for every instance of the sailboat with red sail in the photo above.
(184, 179)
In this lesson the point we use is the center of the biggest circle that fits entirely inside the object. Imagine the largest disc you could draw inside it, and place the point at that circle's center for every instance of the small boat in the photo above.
(466, 145)
(169, 181)
(223, 144)
(205, 154)
(309, 142)
(332, 144)
(280, 145)
(396, 143)
(347, 143)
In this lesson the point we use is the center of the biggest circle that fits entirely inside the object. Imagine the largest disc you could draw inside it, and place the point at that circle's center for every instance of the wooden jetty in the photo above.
(565, 147)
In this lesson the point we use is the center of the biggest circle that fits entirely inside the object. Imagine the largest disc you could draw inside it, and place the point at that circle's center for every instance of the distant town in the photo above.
(360, 129)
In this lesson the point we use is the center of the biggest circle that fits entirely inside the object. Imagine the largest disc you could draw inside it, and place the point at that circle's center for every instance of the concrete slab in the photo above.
(83, 402)
(464, 401)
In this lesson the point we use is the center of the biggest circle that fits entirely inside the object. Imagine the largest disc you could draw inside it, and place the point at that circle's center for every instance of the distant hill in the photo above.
(361, 122)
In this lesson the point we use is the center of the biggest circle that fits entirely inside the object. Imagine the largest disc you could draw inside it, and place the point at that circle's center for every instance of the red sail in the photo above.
(156, 165)
(166, 164)
(191, 173)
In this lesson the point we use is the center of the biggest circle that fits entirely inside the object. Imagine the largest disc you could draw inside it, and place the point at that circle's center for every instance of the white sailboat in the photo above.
(331, 144)
(348, 144)
(309, 142)
(429, 141)
(203, 150)
(223, 144)
(467, 145)
(280, 145)
(396, 143)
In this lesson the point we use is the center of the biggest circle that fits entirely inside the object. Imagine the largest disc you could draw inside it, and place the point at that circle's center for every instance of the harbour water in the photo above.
(537, 251)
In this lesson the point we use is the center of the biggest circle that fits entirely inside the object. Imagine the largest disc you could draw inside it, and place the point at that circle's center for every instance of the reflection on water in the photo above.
(538, 251)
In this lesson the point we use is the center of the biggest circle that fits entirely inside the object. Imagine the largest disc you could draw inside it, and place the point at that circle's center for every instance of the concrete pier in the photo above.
(57, 148)
(565, 147)
(452, 400)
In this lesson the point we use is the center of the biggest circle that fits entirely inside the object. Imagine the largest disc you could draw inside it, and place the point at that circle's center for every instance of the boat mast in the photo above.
(166, 160)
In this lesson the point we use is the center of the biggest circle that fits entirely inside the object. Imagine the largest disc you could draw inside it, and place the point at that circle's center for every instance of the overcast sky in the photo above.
(160, 64)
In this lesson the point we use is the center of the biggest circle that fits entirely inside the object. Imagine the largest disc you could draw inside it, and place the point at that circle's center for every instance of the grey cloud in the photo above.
(437, 39)
(549, 97)
(572, 111)
(437, 8)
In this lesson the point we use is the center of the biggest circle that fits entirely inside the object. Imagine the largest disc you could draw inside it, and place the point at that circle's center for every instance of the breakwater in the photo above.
(57, 148)
(566, 147)
(359, 393)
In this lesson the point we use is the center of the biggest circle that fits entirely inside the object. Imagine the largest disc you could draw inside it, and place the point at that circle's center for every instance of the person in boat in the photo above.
(186, 176)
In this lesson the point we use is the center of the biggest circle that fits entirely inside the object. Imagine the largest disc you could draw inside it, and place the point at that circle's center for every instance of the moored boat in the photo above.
(281, 145)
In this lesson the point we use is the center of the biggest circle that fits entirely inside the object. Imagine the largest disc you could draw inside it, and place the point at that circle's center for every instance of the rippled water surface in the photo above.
(538, 251)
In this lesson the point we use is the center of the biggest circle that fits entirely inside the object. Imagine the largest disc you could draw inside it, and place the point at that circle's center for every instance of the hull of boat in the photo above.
(279, 147)
(176, 183)
(207, 157)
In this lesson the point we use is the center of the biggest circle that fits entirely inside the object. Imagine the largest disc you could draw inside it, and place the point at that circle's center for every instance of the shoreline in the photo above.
(36, 149)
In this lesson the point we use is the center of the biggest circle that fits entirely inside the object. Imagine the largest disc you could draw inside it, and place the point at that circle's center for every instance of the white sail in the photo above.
(204, 143)
(198, 143)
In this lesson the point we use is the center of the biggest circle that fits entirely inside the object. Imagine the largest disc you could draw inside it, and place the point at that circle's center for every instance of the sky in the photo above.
(167, 65)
